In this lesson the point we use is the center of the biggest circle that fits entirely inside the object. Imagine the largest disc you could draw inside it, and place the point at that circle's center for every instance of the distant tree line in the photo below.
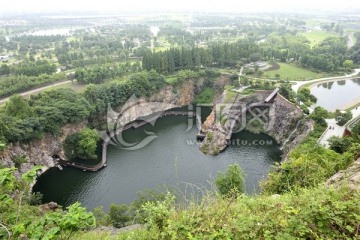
(29, 68)
(217, 55)
(98, 74)
(355, 50)
(328, 56)
(14, 84)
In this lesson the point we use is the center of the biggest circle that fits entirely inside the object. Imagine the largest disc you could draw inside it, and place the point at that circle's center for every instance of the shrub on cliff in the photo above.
(18, 220)
(343, 117)
(339, 145)
(82, 145)
(320, 213)
(231, 182)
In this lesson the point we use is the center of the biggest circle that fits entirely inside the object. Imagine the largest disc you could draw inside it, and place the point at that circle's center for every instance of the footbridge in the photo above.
(133, 125)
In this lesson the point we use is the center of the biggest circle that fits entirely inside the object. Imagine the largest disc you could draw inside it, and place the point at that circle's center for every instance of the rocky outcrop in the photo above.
(181, 96)
(38, 152)
(282, 120)
(24, 156)
(290, 127)
(350, 177)
(214, 142)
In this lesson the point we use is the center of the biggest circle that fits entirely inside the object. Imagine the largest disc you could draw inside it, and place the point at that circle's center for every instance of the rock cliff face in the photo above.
(350, 177)
(38, 152)
(282, 120)
(290, 127)
(181, 96)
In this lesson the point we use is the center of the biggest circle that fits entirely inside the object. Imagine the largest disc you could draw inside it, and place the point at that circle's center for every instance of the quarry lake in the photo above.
(337, 94)
(172, 160)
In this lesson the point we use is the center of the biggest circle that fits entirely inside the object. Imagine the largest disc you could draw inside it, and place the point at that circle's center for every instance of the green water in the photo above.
(173, 160)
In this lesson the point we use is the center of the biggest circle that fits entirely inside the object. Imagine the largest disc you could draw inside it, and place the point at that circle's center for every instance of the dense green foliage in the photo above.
(355, 50)
(356, 130)
(33, 68)
(218, 55)
(339, 144)
(118, 215)
(82, 145)
(311, 214)
(306, 97)
(98, 74)
(117, 93)
(328, 56)
(25, 120)
(15, 84)
(343, 117)
(20, 220)
(231, 182)
(205, 96)
(309, 164)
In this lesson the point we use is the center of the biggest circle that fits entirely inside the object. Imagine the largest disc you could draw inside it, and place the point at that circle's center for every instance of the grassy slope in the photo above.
(316, 37)
(74, 86)
(292, 72)
(320, 213)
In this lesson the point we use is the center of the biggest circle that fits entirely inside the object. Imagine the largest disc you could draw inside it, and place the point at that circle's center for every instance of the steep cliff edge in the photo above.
(236, 112)
(350, 177)
(24, 156)
(38, 152)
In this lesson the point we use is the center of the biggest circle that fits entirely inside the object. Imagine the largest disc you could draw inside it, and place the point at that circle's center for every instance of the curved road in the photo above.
(34, 91)
(298, 84)
(333, 129)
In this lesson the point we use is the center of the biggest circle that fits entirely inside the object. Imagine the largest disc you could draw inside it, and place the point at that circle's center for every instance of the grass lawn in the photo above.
(292, 72)
(316, 37)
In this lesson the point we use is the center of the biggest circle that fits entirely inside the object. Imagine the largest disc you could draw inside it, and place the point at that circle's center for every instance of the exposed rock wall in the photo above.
(181, 96)
(288, 125)
(350, 177)
(38, 152)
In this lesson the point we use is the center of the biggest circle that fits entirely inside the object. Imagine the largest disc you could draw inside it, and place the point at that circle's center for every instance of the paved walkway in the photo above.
(335, 130)
(332, 130)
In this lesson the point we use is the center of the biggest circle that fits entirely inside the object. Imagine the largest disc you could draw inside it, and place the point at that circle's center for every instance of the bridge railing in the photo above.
(103, 162)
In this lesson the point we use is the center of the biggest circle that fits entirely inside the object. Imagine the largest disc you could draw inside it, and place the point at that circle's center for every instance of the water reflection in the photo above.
(173, 159)
(336, 96)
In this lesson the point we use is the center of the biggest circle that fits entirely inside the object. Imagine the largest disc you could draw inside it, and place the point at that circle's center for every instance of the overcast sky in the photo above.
(7, 6)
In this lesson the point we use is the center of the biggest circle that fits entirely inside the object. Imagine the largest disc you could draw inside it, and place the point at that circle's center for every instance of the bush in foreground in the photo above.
(320, 213)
